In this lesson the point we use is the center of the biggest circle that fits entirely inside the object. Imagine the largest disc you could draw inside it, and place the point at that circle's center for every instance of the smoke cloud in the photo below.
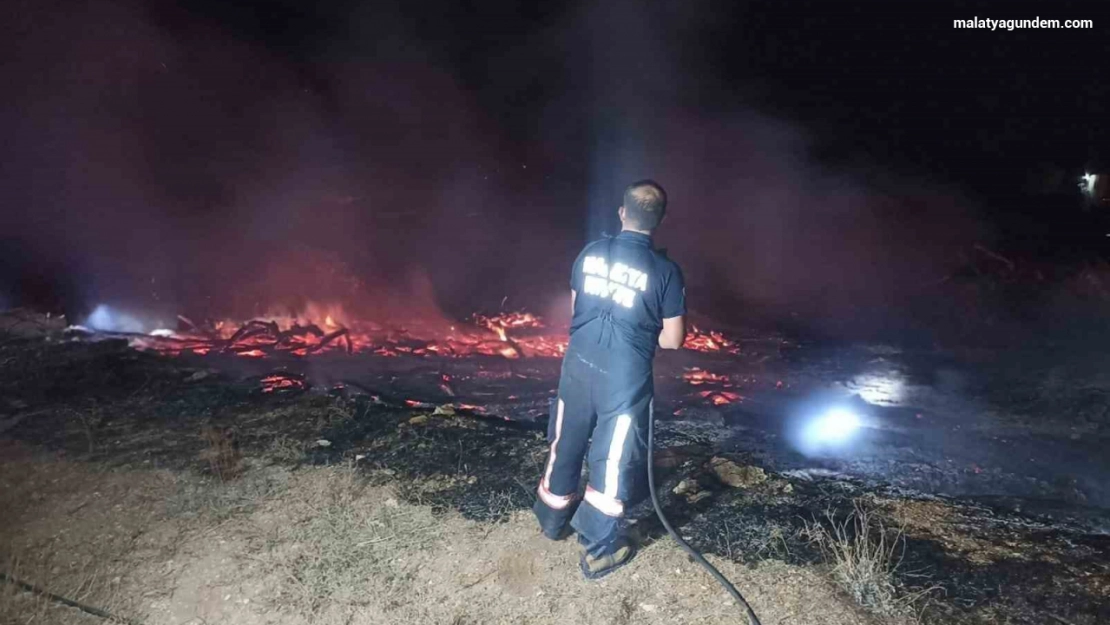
(762, 229)
(167, 162)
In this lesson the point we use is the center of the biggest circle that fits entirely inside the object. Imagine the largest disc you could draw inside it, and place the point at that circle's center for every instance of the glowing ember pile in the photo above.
(721, 398)
(501, 324)
(718, 396)
(330, 330)
(504, 322)
(709, 341)
(696, 376)
(282, 381)
(322, 332)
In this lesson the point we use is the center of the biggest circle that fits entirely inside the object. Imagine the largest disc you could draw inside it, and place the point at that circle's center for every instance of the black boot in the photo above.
(555, 524)
(618, 555)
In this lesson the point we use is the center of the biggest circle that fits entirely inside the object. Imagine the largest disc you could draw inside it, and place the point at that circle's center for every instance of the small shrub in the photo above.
(863, 555)
(221, 452)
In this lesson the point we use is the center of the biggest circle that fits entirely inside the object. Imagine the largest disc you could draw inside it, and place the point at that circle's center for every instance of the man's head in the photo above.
(645, 204)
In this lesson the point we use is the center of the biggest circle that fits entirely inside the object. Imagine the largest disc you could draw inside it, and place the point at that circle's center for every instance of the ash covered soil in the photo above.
(981, 470)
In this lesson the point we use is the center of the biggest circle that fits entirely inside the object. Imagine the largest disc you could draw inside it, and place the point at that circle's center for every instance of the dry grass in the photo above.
(341, 542)
(221, 452)
(318, 545)
(771, 544)
(23, 608)
(286, 449)
(947, 525)
(205, 500)
(88, 578)
(340, 551)
(864, 555)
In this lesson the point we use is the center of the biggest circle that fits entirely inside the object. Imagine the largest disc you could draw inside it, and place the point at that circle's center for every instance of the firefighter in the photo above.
(628, 298)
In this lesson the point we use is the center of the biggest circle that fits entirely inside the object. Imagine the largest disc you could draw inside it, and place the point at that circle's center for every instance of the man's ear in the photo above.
(621, 212)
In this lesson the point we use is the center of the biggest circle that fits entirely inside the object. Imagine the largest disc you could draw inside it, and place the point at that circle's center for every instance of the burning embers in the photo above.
(718, 396)
(721, 398)
(696, 377)
(500, 324)
(709, 341)
(296, 336)
(330, 330)
(280, 381)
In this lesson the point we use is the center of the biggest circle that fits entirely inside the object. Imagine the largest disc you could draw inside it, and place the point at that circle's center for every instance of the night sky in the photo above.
(846, 148)
(878, 82)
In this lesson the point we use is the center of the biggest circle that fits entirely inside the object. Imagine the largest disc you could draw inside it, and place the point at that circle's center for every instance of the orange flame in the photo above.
(278, 382)
(697, 377)
(322, 328)
(328, 328)
(721, 398)
(709, 341)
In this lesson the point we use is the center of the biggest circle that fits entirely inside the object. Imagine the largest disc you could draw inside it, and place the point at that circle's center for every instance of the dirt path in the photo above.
(318, 545)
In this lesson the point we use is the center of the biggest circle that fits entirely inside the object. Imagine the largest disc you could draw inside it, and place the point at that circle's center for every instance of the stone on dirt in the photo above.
(698, 496)
(686, 486)
(735, 475)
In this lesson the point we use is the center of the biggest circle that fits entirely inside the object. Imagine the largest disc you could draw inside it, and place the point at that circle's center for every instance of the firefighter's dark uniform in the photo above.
(625, 288)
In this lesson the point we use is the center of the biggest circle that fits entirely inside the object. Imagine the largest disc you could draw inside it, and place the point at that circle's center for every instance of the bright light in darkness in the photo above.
(830, 430)
(1087, 183)
(834, 427)
(105, 319)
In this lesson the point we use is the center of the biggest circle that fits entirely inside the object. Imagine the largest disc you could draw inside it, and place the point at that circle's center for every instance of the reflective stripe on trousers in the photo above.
(600, 412)
(557, 502)
(608, 501)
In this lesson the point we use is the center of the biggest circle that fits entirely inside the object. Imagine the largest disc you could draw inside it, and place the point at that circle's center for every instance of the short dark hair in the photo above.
(645, 203)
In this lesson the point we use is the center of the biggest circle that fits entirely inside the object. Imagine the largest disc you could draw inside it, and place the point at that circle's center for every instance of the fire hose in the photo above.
(87, 609)
(700, 559)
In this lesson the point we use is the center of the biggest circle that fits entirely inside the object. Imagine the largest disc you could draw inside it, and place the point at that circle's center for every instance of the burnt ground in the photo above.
(990, 462)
